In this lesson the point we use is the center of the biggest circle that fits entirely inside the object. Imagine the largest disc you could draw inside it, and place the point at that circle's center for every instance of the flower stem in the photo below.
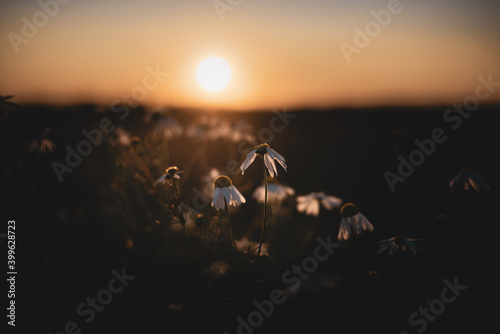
(265, 208)
(230, 234)
(176, 191)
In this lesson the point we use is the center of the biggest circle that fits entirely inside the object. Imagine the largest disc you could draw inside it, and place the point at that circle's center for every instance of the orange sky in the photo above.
(280, 52)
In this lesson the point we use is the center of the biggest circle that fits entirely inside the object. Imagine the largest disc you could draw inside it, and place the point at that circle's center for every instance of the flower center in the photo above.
(349, 210)
(135, 140)
(399, 240)
(171, 170)
(222, 181)
(261, 149)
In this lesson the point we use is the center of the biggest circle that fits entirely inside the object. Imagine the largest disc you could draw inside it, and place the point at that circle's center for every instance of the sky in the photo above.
(294, 53)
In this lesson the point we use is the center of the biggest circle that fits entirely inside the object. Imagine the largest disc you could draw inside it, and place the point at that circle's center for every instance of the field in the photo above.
(101, 246)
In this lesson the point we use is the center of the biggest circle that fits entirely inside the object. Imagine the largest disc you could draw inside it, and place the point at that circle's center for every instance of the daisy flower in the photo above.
(226, 193)
(276, 192)
(122, 137)
(397, 244)
(269, 155)
(170, 173)
(352, 218)
(42, 144)
(310, 203)
(469, 179)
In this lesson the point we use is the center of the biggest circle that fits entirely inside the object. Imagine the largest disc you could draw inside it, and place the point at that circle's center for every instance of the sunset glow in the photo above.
(213, 74)
(284, 53)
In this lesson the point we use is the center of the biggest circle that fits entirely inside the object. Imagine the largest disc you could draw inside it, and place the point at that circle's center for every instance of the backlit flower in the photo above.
(276, 193)
(269, 155)
(122, 136)
(352, 219)
(398, 244)
(310, 203)
(225, 192)
(170, 173)
(468, 179)
(42, 144)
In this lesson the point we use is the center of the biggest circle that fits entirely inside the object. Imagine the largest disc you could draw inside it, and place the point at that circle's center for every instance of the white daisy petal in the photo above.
(248, 161)
(352, 224)
(303, 202)
(330, 202)
(474, 185)
(384, 246)
(237, 196)
(216, 194)
(365, 223)
(341, 229)
(314, 207)
(219, 205)
(275, 154)
(234, 198)
(278, 157)
(345, 229)
(218, 201)
(161, 179)
(269, 164)
(227, 194)
(359, 223)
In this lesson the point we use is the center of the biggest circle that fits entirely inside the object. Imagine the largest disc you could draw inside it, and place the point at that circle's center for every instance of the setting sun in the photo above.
(213, 74)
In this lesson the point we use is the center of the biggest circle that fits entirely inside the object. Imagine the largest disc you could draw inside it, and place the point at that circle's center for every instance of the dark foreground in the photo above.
(103, 252)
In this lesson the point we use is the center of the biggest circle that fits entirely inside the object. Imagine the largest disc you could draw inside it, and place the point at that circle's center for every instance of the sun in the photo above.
(213, 74)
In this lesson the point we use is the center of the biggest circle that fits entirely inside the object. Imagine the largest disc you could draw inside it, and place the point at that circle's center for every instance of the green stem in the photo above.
(265, 208)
